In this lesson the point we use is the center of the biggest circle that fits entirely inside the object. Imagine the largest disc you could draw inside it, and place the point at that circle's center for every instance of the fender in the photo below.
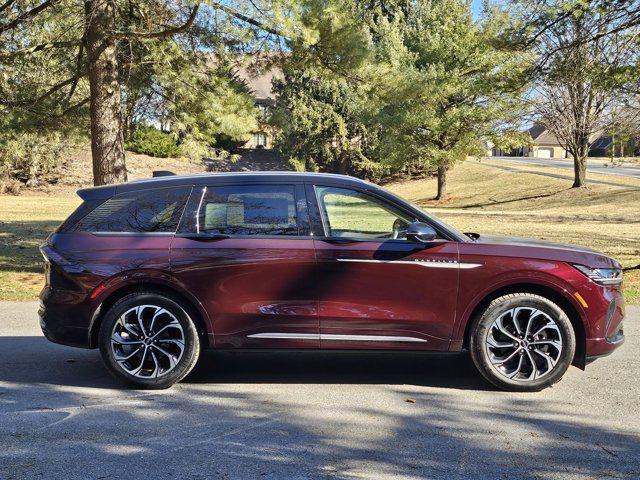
(509, 279)
(149, 277)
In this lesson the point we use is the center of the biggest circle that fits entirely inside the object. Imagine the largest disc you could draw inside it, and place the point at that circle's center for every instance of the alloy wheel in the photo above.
(524, 344)
(147, 341)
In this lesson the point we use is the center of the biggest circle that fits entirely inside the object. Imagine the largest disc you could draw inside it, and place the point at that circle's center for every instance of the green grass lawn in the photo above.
(25, 223)
(482, 199)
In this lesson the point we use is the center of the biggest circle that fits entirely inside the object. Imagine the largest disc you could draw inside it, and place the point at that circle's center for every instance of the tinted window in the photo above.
(249, 210)
(135, 212)
(82, 211)
(349, 213)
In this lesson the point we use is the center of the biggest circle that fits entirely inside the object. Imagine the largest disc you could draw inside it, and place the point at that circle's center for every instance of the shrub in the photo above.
(194, 150)
(153, 142)
(26, 156)
(10, 186)
(297, 165)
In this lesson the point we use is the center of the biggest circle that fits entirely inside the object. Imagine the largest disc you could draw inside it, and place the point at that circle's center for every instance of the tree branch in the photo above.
(164, 33)
(74, 84)
(48, 93)
(82, 102)
(6, 5)
(43, 46)
(246, 19)
(26, 15)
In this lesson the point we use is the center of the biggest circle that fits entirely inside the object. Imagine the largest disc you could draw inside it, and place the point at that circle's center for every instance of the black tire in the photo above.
(481, 354)
(189, 355)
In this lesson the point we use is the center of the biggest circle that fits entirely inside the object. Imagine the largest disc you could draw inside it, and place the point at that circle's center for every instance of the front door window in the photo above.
(353, 214)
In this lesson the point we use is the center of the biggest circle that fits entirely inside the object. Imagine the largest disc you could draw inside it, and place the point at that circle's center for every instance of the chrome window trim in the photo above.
(204, 191)
(131, 234)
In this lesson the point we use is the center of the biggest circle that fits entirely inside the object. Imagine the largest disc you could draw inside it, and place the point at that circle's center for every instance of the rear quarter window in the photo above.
(150, 211)
(70, 224)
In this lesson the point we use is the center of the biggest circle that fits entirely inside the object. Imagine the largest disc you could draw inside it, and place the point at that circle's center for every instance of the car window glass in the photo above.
(138, 212)
(249, 210)
(349, 213)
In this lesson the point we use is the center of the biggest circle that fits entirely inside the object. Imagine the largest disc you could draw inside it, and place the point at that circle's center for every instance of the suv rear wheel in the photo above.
(522, 342)
(148, 340)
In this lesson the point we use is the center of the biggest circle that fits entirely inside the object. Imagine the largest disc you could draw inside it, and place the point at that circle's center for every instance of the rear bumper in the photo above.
(62, 322)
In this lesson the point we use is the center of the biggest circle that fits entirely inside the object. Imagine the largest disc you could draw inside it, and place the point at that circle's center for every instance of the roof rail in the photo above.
(162, 173)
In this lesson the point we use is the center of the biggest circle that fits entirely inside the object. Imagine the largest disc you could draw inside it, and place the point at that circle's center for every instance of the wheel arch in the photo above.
(579, 359)
(189, 303)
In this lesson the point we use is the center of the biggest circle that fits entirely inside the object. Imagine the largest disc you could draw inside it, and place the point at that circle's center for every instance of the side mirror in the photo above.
(421, 233)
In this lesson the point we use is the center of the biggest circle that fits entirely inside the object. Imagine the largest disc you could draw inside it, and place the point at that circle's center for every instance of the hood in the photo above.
(533, 242)
(542, 249)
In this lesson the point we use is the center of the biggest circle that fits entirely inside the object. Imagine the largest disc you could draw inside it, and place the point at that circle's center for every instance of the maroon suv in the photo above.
(153, 271)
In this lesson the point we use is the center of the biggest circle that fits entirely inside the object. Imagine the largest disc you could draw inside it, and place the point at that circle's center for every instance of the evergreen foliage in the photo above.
(151, 141)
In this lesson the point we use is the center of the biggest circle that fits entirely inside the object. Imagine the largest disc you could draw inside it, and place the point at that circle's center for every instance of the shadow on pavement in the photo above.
(285, 415)
(39, 361)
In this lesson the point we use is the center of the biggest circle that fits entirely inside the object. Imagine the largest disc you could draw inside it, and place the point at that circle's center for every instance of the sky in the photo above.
(477, 7)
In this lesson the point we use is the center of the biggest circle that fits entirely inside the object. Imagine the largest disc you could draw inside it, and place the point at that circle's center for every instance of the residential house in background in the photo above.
(259, 82)
(543, 145)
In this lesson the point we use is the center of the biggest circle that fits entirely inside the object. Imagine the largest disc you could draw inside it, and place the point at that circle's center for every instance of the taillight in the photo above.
(51, 256)
(59, 271)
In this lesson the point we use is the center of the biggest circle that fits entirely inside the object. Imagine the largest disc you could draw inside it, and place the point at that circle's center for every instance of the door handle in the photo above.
(338, 241)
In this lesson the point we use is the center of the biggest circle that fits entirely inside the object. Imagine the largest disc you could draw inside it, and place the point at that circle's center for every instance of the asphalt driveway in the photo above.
(309, 415)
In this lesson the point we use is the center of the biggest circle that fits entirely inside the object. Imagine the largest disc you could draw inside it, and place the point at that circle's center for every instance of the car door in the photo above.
(375, 288)
(245, 251)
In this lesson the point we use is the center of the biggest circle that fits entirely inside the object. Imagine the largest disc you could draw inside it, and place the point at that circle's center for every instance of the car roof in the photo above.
(222, 177)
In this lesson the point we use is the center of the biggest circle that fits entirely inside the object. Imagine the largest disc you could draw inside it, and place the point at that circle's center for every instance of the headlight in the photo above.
(603, 276)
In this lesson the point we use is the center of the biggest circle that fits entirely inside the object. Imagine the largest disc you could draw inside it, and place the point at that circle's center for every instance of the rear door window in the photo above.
(249, 210)
(150, 211)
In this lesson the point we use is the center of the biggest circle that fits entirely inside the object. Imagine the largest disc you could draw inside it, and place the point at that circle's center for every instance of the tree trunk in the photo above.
(342, 166)
(107, 143)
(580, 170)
(442, 182)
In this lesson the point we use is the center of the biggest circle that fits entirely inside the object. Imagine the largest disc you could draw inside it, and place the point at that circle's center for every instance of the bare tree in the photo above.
(586, 50)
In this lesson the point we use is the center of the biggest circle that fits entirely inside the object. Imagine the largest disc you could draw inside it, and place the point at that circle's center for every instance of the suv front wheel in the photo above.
(522, 342)
(148, 340)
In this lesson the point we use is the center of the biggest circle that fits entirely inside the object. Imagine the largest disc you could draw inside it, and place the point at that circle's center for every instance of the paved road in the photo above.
(309, 416)
(593, 166)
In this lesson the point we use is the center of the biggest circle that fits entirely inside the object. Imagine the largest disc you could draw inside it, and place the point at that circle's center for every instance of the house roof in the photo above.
(604, 141)
(542, 136)
(257, 77)
(256, 71)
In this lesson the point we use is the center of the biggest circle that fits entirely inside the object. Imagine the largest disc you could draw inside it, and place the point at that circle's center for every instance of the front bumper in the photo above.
(607, 332)
(601, 347)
